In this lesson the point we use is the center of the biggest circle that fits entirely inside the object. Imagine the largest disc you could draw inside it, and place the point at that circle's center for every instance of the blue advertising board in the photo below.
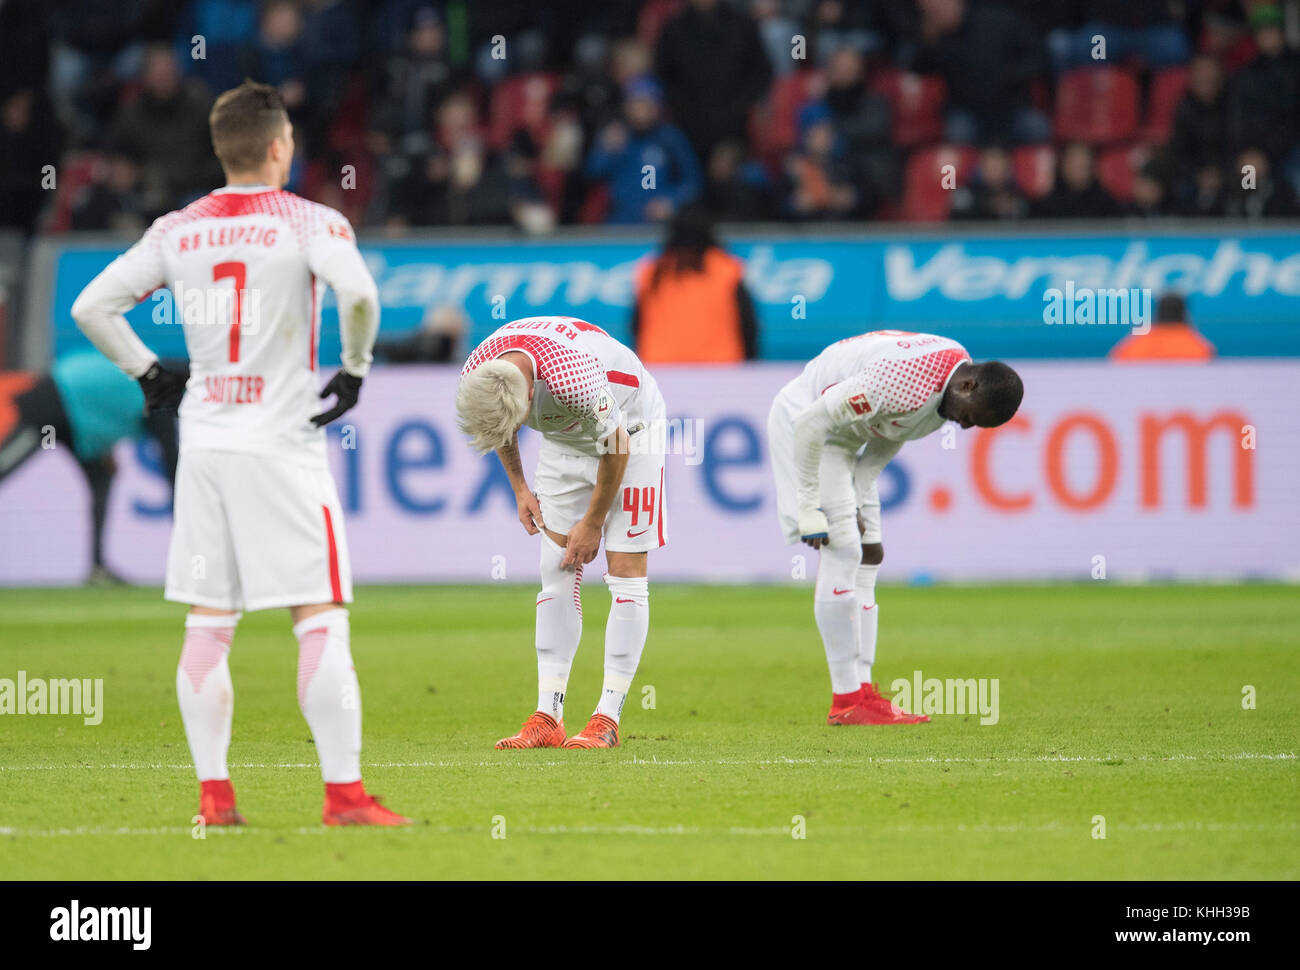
(987, 291)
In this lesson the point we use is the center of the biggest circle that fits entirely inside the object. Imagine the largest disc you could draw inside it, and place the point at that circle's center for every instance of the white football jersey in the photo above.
(586, 385)
(244, 267)
(884, 384)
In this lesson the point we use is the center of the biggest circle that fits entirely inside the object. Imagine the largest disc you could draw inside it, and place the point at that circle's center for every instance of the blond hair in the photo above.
(491, 403)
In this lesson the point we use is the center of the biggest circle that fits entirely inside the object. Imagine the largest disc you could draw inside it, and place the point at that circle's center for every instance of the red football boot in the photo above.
(874, 699)
(348, 804)
(842, 705)
(217, 803)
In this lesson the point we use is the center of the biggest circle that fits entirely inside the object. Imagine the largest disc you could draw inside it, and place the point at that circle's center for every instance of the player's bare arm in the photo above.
(584, 538)
(530, 512)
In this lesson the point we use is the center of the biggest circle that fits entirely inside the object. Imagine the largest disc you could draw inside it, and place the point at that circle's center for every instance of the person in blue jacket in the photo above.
(87, 405)
(648, 164)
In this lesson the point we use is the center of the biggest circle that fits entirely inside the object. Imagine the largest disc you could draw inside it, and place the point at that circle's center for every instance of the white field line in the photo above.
(775, 831)
(526, 762)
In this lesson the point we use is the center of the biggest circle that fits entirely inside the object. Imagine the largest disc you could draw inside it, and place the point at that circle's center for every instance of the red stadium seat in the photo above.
(925, 198)
(1117, 167)
(1034, 168)
(1097, 105)
(520, 102)
(774, 125)
(1167, 90)
(917, 101)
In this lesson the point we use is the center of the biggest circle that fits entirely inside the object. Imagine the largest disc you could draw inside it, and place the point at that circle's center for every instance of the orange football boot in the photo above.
(539, 731)
(217, 803)
(348, 804)
(601, 732)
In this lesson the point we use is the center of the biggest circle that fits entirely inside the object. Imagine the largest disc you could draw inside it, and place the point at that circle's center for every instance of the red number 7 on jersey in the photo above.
(238, 273)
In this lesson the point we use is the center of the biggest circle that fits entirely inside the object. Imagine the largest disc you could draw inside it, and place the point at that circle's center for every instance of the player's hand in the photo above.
(163, 388)
(814, 529)
(583, 544)
(530, 512)
(346, 388)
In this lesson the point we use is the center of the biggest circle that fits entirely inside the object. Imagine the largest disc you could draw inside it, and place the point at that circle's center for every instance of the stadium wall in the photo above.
(985, 288)
(1135, 472)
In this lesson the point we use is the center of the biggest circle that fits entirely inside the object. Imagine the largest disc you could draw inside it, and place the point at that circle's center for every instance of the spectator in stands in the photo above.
(437, 341)
(988, 57)
(26, 37)
(1263, 96)
(692, 306)
(1205, 197)
(596, 87)
(229, 31)
(1146, 30)
(165, 126)
(1200, 123)
(459, 184)
(1077, 193)
(624, 149)
(834, 25)
(29, 141)
(711, 62)
(413, 82)
(112, 199)
(820, 176)
(1151, 191)
(861, 119)
(737, 188)
(99, 45)
(280, 58)
(777, 31)
(992, 192)
(1171, 337)
(1254, 193)
(329, 45)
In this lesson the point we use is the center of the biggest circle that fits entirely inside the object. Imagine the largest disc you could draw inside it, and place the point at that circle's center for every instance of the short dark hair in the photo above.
(1000, 391)
(243, 121)
(1171, 308)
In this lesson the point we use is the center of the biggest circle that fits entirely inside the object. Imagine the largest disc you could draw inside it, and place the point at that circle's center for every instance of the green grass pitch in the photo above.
(1115, 701)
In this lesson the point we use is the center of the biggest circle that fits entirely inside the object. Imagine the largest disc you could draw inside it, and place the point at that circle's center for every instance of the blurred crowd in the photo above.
(534, 113)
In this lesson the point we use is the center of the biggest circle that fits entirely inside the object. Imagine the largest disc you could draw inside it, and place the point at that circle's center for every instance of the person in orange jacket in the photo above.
(1171, 337)
(692, 306)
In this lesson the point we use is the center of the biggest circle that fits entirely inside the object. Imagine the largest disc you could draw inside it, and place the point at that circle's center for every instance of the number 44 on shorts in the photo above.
(637, 501)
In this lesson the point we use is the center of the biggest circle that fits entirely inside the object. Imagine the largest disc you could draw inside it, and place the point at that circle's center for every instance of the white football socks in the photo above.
(625, 636)
(329, 694)
(559, 627)
(868, 620)
(835, 605)
(206, 693)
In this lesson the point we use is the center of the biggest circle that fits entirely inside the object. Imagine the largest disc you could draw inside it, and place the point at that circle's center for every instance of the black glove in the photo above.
(346, 389)
(163, 389)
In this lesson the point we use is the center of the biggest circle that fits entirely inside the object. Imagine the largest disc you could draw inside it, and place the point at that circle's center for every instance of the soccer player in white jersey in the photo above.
(600, 472)
(831, 432)
(257, 518)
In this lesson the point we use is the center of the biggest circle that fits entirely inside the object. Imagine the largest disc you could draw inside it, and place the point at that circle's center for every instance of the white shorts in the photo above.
(844, 491)
(638, 519)
(253, 532)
